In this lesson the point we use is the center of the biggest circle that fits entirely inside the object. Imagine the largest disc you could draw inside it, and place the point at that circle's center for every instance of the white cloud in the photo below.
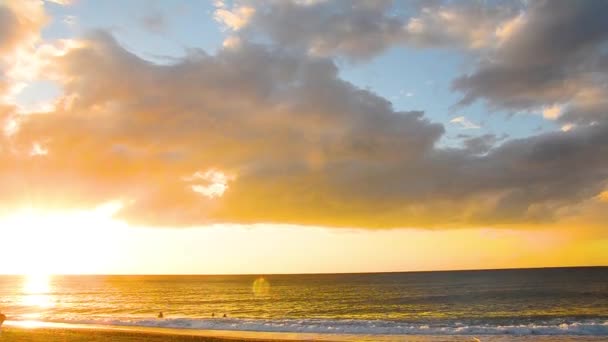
(235, 18)
(464, 123)
(552, 112)
(70, 20)
(211, 183)
(232, 42)
(406, 93)
(38, 150)
(60, 2)
(567, 127)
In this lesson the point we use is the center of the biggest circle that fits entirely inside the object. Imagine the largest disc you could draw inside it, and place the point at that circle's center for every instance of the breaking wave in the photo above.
(589, 327)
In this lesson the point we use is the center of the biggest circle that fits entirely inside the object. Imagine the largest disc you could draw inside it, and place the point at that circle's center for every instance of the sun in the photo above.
(39, 243)
(36, 284)
(29, 228)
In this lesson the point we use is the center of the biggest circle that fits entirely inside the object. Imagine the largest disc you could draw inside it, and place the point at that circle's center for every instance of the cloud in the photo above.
(481, 144)
(589, 106)
(234, 19)
(552, 112)
(518, 63)
(367, 28)
(567, 127)
(257, 134)
(20, 25)
(405, 93)
(70, 20)
(60, 2)
(556, 55)
(464, 123)
(270, 133)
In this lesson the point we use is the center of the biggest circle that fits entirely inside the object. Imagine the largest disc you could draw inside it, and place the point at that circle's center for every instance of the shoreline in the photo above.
(220, 335)
(54, 334)
(173, 334)
(60, 332)
(34, 331)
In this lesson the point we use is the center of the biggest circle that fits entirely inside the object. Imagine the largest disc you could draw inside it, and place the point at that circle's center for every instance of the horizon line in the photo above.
(307, 273)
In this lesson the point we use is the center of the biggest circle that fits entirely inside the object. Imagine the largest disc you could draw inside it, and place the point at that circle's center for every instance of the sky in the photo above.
(302, 136)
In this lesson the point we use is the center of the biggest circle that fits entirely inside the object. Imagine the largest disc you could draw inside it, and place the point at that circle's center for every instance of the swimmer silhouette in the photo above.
(213, 314)
(160, 315)
(225, 316)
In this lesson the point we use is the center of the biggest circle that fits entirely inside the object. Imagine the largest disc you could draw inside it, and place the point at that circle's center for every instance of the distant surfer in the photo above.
(160, 315)
(213, 314)
(225, 316)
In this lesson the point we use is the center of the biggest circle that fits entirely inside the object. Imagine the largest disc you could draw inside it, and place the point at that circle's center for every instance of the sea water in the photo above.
(558, 302)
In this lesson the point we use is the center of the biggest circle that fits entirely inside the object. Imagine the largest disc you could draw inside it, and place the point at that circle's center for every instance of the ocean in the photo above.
(557, 302)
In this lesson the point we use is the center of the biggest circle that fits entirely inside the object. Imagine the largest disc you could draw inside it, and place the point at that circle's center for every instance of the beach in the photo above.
(79, 335)
(96, 334)
(45, 331)
(89, 333)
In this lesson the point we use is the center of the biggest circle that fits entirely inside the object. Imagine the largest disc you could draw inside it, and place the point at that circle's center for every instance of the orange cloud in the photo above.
(20, 24)
(255, 135)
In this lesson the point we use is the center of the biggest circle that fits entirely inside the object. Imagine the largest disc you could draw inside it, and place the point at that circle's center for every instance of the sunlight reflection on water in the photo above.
(261, 287)
(36, 291)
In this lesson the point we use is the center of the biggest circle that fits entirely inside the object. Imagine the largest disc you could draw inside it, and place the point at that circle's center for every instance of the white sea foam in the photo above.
(592, 327)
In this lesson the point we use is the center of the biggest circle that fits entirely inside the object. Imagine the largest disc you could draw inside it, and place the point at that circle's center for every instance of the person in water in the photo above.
(225, 316)
(160, 315)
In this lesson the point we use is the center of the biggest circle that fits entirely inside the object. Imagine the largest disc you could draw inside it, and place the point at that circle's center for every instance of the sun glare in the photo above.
(37, 284)
(42, 243)
(36, 289)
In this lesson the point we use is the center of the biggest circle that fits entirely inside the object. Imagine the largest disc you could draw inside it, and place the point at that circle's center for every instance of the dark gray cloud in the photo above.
(526, 56)
(556, 55)
(546, 171)
(362, 29)
(480, 144)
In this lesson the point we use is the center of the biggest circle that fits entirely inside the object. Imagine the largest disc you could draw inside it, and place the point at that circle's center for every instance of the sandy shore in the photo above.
(78, 335)
(42, 331)
(18, 334)
(118, 334)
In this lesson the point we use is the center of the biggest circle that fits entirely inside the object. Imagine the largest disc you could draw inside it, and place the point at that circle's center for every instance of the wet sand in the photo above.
(78, 335)
(98, 334)
(51, 332)
(18, 334)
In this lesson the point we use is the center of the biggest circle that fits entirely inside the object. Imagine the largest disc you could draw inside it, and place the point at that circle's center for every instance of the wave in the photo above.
(590, 327)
